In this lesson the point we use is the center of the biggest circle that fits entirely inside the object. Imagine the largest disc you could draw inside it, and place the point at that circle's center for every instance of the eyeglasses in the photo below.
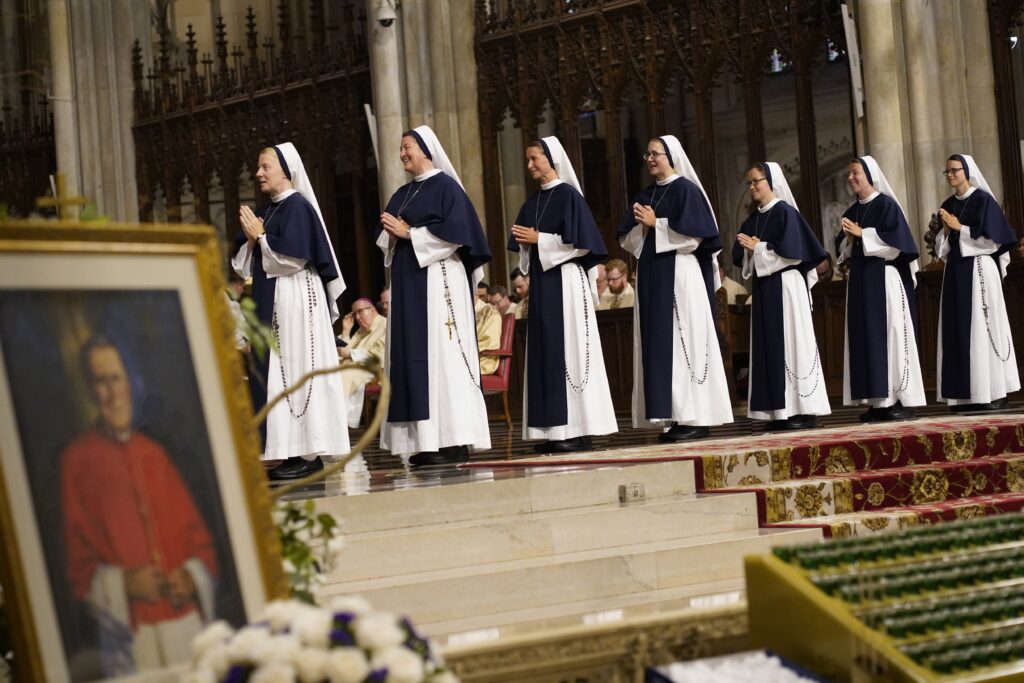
(653, 155)
(362, 310)
(952, 171)
(615, 279)
(755, 181)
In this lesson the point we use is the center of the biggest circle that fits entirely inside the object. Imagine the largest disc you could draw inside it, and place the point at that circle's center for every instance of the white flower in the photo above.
(353, 604)
(347, 665)
(403, 665)
(334, 547)
(216, 632)
(444, 677)
(273, 673)
(313, 628)
(201, 674)
(311, 664)
(281, 613)
(280, 648)
(279, 516)
(217, 659)
(377, 630)
(289, 566)
(247, 644)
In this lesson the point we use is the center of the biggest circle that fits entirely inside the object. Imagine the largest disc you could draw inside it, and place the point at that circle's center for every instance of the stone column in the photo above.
(442, 79)
(62, 101)
(416, 41)
(979, 85)
(385, 65)
(467, 112)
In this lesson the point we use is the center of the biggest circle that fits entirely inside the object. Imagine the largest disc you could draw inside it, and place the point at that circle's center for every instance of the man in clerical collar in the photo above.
(619, 293)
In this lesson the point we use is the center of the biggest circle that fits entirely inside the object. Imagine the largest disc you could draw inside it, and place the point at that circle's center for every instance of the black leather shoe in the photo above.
(803, 422)
(680, 432)
(874, 415)
(295, 468)
(897, 411)
(778, 426)
(567, 445)
(450, 455)
(542, 447)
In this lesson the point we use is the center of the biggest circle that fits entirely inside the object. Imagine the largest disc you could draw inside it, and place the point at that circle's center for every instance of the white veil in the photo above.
(560, 160)
(779, 185)
(302, 185)
(681, 164)
(437, 153)
(974, 174)
(879, 181)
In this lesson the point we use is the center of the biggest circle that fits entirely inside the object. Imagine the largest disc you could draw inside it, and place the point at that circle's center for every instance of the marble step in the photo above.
(492, 588)
(502, 539)
(489, 494)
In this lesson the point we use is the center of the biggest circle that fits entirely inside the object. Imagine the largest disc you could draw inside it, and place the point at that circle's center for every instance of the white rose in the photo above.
(217, 632)
(347, 665)
(403, 665)
(280, 648)
(314, 628)
(246, 646)
(273, 673)
(281, 613)
(444, 677)
(377, 631)
(201, 674)
(353, 604)
(310, 664)
(217, 659)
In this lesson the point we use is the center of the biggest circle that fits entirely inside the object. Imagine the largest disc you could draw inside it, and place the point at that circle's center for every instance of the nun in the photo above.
(566, 398)
(881, 368)
(678, 376)
(435, 247)
(776, 247)
(284, 247)
(977, 365)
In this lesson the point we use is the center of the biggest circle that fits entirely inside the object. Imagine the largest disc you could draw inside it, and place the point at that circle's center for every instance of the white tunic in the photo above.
(590, 412)
(993, 361)
(302, 327)
(805, 382)
(458, 414)
(905, 383)
(694, 402)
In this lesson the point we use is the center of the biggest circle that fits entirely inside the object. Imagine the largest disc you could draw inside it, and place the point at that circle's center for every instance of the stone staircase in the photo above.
(555, 546)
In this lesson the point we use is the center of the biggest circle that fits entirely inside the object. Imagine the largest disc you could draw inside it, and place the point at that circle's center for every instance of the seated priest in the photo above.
(139, 554)
(488, 335)
(368, 341)
(619, 293)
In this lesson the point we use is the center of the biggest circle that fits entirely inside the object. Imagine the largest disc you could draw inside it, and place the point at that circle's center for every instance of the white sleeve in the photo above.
(766, 261)
(524, 258)
(748, 266)
(359, 355)
(845, 250)
(941, 244)
(717, 271)
(666, 239)
(876, 246)
(553, 252)
(203, 582)
(428, 247)
(108, 593)
(276, 265)
(975, 247)
(633, 241)
(242, 261)
(384, 242)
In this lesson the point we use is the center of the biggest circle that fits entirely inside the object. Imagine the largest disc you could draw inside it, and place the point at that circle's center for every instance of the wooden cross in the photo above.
(61, 201)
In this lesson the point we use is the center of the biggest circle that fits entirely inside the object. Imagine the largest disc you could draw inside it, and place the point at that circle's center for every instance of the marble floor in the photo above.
(378, 470)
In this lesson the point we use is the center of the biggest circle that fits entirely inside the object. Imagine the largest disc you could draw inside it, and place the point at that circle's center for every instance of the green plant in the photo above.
(309, 543)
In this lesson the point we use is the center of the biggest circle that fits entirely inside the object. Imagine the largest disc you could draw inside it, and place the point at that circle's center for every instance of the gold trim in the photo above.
(200, 242)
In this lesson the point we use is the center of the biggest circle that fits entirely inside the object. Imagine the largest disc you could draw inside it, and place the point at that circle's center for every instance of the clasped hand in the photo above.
(644, 215)
(395, 226)
(748, 242)
(951, 221)
(251, 225)
(525, 235)
(851, 228)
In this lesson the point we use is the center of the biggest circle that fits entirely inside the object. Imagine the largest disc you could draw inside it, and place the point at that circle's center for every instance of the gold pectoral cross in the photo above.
(449, 324)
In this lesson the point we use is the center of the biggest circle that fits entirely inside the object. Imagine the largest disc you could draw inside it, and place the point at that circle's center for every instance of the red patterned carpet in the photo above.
(851, 480)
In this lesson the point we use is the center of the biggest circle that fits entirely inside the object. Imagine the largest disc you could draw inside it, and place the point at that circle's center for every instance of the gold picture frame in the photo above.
(60, 283)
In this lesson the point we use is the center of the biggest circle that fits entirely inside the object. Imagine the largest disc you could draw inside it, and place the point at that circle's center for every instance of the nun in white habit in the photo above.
(296, 283)
(977, 363)
(881, 366)
(678, 376)
(435, 247)
(566, 398)
(777, 247)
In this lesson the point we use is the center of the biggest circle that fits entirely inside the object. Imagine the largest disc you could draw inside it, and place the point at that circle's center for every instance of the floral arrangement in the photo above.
(310, 541)
(347, 642)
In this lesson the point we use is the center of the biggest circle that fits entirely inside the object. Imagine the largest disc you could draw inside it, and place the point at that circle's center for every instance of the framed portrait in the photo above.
(133, 507)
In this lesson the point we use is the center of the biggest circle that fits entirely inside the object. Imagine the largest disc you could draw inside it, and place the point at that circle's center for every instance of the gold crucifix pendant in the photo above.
(450, 324)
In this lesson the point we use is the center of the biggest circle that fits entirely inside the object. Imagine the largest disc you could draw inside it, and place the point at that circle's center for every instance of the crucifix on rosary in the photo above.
(60, 199)
(449, 324)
